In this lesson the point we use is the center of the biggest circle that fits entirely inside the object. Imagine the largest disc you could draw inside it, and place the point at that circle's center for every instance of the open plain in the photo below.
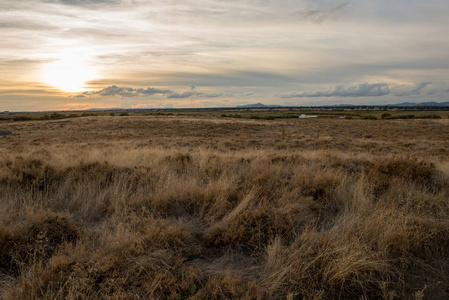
(202, 207)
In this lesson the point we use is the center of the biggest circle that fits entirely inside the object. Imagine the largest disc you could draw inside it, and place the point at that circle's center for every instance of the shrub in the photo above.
(386, 116)
(405, 168)
(432, 116)
(404, 117)
(57, 116)
(22, 118)
(36, 240)
(383, 172)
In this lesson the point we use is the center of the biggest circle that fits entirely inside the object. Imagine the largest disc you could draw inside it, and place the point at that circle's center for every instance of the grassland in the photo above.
(211, 207)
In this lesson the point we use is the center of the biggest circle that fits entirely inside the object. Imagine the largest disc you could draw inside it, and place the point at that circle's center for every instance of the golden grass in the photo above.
(203, 208)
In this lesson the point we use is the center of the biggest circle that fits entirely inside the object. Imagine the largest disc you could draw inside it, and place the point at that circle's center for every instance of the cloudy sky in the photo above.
(79, 54)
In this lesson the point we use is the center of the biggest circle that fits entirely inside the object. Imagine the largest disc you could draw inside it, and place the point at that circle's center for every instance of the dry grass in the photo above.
(177, 208)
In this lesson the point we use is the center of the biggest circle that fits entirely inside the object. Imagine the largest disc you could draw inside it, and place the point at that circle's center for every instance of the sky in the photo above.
(82, 54)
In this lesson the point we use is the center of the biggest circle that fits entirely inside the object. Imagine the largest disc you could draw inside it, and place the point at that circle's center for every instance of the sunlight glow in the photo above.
(69, 73)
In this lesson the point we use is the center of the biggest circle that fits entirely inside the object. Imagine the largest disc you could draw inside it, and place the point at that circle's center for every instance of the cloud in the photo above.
(223, 78)
(364, 90)
(82, 2)
(21, 62)
(184, 94)
(181, 95)
(194, 92)
(361, 90)
(215, 95)
(25, 24)
(114, 90)
(151, 91)
(129, 92)
(320, 15)
(400, 92)
(78, 107)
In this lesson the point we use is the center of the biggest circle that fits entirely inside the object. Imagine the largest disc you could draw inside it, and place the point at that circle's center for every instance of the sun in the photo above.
(69, 73)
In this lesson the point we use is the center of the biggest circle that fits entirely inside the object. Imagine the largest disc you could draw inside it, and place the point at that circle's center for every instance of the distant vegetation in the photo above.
(389, 116)
(17, 117)
(270, 113)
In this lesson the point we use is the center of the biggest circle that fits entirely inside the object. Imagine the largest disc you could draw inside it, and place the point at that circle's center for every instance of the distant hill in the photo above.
(105, 109)
(439, 104)
(257, 105)
(404, 104)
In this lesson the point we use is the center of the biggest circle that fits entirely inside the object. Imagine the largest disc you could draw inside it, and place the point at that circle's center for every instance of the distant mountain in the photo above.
(439, 104)
(104, 109)
(257, 105)
(403, 104)
(341, 105)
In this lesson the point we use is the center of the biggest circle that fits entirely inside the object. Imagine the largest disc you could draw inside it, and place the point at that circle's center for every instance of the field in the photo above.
(212, 206)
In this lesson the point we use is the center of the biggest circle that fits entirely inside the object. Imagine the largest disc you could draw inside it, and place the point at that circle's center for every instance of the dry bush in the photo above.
(383, 172)
(229, 286)
(251, 227)
(409, 169)
(26, 173)
(324, 263)
(35, 240)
